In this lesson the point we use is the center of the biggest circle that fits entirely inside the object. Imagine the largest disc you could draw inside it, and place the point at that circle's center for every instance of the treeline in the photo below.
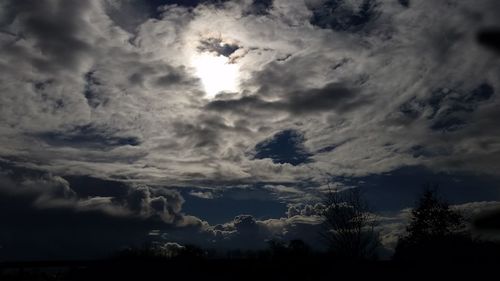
(276, 250)
(435, 233)
(437, 243)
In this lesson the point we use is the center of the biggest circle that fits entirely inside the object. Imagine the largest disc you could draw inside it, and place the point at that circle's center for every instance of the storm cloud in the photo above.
(103, 112)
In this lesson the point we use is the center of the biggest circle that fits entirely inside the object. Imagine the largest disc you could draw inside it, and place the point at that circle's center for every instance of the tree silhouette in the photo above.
(433, 217)
(348, 226)
(435, 231)
(294, 249)
(277, 248)
(298, 248)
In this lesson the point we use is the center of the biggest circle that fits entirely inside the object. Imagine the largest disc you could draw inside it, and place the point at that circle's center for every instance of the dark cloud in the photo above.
(404, 3)
(31, 233)
(259, 7)
(246, 232)
(331, 147)
(130, 14)
(244, 104)
(198, 135)
(44, 220)
(343, 15)
(169, 79)
(490, 38)
(332, 97)
(149, 202)
(245, 224)
(87, 137)
(58, 31)
(185, 3)
(96, 90)
(47, 219)
(162, 77)
(217, 46)
(446, 108)
(90, 93)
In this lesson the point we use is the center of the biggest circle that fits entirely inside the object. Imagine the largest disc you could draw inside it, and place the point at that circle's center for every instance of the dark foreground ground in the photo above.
(223, 269)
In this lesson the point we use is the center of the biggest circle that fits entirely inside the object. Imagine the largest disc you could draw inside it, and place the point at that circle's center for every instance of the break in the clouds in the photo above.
(273, 99)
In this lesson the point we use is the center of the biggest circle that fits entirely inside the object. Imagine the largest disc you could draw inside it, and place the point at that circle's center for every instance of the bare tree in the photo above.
(348, 225)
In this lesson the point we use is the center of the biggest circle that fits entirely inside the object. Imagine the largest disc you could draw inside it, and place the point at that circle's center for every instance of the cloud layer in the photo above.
(368, 88)
(328, 90)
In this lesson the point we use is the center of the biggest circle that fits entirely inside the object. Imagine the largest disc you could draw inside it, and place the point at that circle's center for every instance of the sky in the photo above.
(223, 123)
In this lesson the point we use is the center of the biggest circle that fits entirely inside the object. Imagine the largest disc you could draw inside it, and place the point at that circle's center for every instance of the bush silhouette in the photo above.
(294, 249)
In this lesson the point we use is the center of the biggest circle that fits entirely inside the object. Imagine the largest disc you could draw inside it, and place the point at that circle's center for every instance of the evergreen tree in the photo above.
(433, 218)
(435, 231)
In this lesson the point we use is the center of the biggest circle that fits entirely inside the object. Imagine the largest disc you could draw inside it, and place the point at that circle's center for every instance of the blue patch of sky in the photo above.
(284, 147)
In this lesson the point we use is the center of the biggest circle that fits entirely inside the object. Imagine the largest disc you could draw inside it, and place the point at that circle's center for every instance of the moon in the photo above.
(216, 73)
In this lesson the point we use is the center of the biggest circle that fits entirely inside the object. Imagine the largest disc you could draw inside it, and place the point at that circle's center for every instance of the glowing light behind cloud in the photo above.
(216, 73)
